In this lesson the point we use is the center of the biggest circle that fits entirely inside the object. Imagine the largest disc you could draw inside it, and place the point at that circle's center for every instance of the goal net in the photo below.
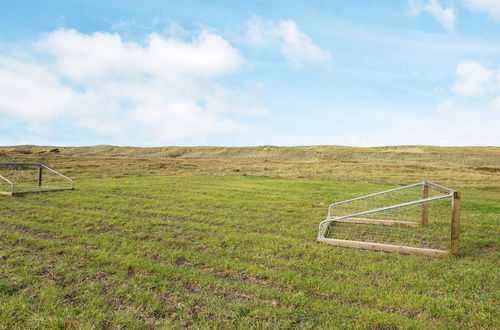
(25, 177)
(418, 218)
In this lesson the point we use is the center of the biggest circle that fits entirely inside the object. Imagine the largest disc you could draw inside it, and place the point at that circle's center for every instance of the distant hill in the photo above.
(467, 166)
(275, 153)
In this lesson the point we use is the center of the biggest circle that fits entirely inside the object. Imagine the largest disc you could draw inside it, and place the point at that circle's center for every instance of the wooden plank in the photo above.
(40, 191)
(455, 222)
(425, 206)
(379, 222)
(383, 247)
(18, 164)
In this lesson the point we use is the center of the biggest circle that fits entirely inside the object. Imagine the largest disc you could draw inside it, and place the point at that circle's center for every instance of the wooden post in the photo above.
(455, 222)
(40, 176)
(425, 206)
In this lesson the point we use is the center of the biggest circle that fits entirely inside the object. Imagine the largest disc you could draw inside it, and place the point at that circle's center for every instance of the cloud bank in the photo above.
(157, 92)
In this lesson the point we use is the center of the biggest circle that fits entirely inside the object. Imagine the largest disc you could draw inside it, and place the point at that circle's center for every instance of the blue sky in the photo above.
(152, 73)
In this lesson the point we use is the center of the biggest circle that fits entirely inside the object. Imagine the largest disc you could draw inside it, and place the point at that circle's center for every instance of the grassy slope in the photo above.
(143, 241)
(462, 166)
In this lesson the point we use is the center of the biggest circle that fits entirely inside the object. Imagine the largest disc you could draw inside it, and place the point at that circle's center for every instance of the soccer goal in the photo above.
(412, 219)
(21, 178)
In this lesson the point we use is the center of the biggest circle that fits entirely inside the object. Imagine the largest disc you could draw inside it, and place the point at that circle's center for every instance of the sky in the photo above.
(239, 73)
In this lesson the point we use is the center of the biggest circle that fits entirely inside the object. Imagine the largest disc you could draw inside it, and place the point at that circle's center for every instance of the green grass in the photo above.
(212, 251)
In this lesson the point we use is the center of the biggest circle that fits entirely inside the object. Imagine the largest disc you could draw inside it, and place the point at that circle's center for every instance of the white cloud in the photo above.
(494, 105)
(459, 118)
(294, 44)
(480, 118)
(31, 91)
(162, 91)
(492, 7)
(454, 121)
(473, 79)
(444, 16)
(450, 123)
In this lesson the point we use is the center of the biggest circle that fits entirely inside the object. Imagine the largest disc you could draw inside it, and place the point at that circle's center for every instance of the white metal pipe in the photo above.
(374, 194)
(421, 201)
(61, 175)
(439, 187)
(9, 182)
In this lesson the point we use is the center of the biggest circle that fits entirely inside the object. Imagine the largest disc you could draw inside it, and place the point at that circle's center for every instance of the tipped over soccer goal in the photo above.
(23, 177)
(420, 218)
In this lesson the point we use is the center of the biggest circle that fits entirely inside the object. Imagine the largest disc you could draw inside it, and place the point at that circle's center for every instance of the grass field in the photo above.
(226, 237)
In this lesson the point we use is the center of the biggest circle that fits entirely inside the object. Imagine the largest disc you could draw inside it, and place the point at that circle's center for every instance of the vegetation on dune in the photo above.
(462, 166)
(225, 237)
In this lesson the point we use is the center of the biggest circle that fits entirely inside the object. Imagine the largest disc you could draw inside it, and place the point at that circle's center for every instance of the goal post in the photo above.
(24, 177)
(409, 219)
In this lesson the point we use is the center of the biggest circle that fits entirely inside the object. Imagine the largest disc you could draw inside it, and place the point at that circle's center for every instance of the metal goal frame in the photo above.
(359, 218)
(13, 191)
